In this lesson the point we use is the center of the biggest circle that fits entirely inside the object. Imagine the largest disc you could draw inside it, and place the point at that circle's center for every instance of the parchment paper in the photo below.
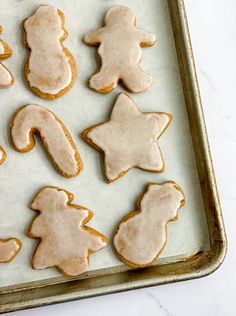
(22, 175)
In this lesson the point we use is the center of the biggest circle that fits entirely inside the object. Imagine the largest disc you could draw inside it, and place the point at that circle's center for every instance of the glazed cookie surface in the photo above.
(120, 52)
(35, 119)
(142, 234)
(6, 78)
(3, 155)
(129, 139)
(66, 243)
(50, 69)
(9, 248)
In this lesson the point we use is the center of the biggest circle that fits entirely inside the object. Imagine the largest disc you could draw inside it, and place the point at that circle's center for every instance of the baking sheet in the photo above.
(22, 175)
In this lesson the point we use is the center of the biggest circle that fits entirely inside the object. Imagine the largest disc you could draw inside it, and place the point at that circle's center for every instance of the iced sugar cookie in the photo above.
(129, 139)
(6, 78)
(5, 50)
(66, 243)
(3, 155)
(9, 248)
(120, 52)
(35, 119)
(50, 69)
(142, 234)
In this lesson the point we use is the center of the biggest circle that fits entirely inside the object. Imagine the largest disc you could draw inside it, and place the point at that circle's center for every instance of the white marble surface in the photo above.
(213, 30)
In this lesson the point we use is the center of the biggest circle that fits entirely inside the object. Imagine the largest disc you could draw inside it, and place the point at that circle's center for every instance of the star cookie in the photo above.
(129, 139)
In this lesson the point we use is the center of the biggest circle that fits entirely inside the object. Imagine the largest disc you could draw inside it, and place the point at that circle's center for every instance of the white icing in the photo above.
(2, 155)
(120, 51)
(65, 242)
(6, 78)
(2, 50)
(55, 137)
(141, 238)
(129, 139)
(8, 249)
(49, 67)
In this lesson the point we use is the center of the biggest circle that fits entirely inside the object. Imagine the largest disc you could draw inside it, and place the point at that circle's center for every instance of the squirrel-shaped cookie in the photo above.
(9, 248)
(66, 243)
(6, 78)
(120, 51)
(142, 234)
(51, 68)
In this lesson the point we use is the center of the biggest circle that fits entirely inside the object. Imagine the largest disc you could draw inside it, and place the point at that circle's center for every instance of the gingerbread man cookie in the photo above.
(9, 248)
(66, 243)
(35, 119)
(3, 155)
(142, 234)
(129, 139)
(6, 78)
(50, 69)
(120, 52)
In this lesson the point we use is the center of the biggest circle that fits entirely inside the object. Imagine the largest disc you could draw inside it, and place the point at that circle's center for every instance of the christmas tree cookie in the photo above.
(65, 241)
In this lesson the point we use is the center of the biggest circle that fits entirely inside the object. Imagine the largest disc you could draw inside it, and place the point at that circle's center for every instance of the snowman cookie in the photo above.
(6, 78)
(120, 52)
(50, 69)
(142, 234)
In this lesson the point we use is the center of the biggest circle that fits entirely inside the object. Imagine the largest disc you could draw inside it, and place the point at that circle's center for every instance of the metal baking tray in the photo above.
(110, 277)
